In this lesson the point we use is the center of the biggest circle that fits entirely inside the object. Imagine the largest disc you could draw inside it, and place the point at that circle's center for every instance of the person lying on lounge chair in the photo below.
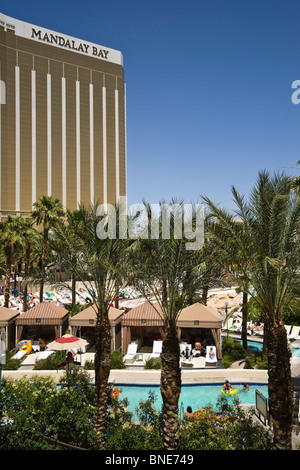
(211, 353)
(187, 353)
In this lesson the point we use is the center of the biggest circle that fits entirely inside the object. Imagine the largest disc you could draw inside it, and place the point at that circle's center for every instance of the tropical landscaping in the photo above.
(257, 243)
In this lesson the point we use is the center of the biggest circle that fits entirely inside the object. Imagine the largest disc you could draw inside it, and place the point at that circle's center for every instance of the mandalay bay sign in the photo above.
(46, 36)
(68, 43)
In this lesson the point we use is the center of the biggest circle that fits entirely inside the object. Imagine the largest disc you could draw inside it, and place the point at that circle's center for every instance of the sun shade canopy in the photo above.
(44, 313)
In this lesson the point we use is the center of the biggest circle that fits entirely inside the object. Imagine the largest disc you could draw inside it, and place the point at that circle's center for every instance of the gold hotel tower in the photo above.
(62, 119)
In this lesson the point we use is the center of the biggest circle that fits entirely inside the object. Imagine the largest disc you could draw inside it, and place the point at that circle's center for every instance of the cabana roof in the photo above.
(87, 317)
(199, 316)
(196, 316)
(7, 315)
(44, 313)
(143, 315)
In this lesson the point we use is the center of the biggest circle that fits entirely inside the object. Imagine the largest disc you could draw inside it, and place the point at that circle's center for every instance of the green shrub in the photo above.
(238, 431)
(117, 360)
(233, 348)
(153, 363)
(257, 360)
(232, 351)
(50, 363)
(226, 361)
(89, 365)
(11, 364)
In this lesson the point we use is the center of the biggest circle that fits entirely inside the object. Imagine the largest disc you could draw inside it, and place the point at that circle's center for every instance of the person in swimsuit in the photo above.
(227, 387)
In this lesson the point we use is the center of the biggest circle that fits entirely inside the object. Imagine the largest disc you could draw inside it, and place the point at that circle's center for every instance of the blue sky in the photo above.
(208, 87)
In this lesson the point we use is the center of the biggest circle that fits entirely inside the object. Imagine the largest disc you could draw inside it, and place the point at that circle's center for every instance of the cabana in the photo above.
(145, 322)
(198, 320)
(83, 325)
(140, 323)
(45, 320)
(8, 318)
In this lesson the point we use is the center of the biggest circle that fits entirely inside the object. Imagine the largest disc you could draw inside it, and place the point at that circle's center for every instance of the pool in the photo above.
(194, 395)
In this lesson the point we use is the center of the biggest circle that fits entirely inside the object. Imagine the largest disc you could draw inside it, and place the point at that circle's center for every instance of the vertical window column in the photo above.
(104, 147)
(125, 145)
(117, 145)
(49, 137)
(17, 114)
(2, 101)
(78, 142)
(33, 136)
(92, 190)
(64, 142)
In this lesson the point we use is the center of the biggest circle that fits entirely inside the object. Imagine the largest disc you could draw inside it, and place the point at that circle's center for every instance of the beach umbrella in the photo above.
(66, 342)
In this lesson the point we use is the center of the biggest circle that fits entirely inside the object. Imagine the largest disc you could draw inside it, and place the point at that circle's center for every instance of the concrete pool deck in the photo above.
(129, 376)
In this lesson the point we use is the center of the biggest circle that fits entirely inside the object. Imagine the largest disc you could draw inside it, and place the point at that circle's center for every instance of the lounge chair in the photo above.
(156, 350)
(187, 363)
(131, 353)
(228, 324)
(237, 326)
(211, 360)
(19, 355)
(183, 361)
(288, 329)
(44, 355)
(258, 330)
(35, 346)
(295, 333)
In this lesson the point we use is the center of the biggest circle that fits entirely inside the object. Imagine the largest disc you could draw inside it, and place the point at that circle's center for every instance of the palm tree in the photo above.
(268, 238)
(46, 212)
(10, 237)
(69, 226)
(98, 264)
(232, 257)
(28, 235)
(167, 267)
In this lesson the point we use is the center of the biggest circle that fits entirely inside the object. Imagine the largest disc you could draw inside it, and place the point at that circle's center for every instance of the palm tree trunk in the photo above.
(43, 264)
(244, 319)
(27, 264)
(117, 289)
(281, 398)
(204, 295)
(170, 386)
(102, 371)
(73, 288)
(7, 276)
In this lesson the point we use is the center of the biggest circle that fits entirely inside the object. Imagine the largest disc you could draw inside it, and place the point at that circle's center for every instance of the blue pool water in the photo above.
(196, 396)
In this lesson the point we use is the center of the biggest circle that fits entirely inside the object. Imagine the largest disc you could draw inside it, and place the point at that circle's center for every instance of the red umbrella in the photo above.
(67, 342)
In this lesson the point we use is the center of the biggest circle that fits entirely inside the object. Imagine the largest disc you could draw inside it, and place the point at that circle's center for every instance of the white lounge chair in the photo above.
(187, 363)
(208, 359)
(258, 330)
(295, 333)
(237, 326)
(19, 355)
(44, 355)
(288, 329)
(156, 350)
(35, 346)
(131, 353)
(227, 324)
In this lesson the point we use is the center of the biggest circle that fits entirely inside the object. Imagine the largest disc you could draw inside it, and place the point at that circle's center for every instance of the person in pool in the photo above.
(227, 387)
(245, 387)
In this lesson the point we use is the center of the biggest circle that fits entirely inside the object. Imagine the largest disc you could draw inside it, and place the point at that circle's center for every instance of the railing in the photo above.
(261, 403)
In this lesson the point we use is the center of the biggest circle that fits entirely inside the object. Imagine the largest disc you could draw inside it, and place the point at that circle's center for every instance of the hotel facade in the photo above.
(62, 119)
